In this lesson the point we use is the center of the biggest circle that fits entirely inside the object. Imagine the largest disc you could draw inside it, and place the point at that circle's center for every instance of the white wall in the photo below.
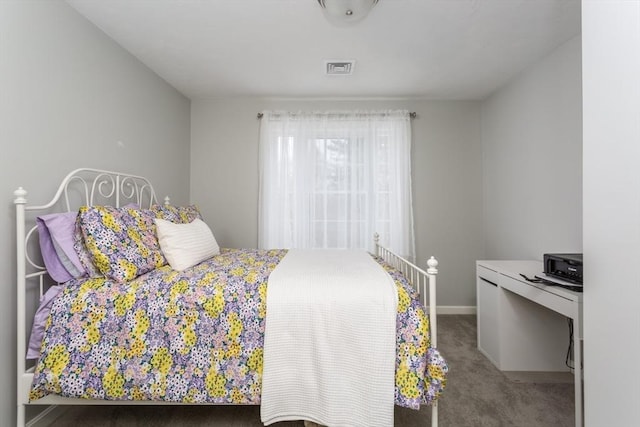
(446, 174)
(532, 160)
(611, 92)
(68, 94)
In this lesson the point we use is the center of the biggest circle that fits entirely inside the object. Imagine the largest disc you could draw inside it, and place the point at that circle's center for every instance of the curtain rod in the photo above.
(412, 114)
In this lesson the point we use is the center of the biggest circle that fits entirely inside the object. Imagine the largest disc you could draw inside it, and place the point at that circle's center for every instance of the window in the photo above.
(332, 180)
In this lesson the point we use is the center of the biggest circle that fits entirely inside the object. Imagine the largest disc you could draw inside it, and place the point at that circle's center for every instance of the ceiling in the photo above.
(428, 49)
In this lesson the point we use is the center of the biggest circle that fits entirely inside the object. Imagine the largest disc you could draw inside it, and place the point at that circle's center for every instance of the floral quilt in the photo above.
(196, 336)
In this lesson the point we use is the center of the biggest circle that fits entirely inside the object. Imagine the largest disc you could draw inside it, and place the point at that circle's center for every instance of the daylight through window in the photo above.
(331, 180)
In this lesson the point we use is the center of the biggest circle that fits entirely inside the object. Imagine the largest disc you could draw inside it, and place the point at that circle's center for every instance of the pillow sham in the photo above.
(61, 228)
(177, 214)
(185, 245)
(121, 241)
(53, 253)
(83, 252)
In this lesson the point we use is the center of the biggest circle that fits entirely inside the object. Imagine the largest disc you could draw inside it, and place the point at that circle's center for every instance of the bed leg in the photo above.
(434, 414)
(20, 416)
(376, 244)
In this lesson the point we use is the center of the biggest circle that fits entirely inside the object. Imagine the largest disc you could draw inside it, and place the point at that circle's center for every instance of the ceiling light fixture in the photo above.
(346, 11)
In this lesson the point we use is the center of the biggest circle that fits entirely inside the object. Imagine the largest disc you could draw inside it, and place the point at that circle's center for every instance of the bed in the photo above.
(129, 317)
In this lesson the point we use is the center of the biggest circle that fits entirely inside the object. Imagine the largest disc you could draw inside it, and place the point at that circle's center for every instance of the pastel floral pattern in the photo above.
(177, 214)
(420, 369)
(122, 241)
(83, 253)
(194, 336)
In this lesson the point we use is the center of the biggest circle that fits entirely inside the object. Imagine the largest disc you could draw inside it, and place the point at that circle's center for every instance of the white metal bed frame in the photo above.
(94, 186)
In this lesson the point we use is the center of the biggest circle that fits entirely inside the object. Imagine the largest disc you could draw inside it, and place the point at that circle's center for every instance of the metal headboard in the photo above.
(86, 187)
(81, 187)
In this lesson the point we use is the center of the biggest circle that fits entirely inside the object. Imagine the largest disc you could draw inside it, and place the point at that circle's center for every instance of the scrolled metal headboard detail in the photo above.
(80, 187)
(91, 187)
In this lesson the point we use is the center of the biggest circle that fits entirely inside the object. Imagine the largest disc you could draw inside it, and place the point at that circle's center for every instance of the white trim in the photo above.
(456, 309)
(46, 417)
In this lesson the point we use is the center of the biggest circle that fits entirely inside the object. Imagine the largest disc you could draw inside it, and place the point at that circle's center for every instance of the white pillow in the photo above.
(185, 245)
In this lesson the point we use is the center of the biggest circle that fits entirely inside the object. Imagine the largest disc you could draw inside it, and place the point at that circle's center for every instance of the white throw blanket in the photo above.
(329, 347)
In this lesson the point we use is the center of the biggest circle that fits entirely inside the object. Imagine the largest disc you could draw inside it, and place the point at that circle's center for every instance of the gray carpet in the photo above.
(477, 394)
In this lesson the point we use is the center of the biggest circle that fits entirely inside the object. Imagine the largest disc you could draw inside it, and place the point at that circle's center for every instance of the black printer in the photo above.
(567, 267)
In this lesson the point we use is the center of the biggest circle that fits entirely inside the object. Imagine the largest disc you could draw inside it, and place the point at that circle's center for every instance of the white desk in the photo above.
(522, 326)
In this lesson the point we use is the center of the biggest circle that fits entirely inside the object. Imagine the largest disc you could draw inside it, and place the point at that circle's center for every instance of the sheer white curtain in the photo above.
(333, 179)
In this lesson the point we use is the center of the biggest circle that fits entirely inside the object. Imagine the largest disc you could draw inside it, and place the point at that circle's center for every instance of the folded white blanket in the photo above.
(329, 348)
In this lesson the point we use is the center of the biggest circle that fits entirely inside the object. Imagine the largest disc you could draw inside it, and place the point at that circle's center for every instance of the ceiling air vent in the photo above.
(339, 68)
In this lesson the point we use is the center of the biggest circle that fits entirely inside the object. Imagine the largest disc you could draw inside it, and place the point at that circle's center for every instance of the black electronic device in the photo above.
(567, 267)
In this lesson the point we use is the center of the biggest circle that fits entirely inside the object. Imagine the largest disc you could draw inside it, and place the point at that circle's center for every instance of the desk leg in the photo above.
(577, 368)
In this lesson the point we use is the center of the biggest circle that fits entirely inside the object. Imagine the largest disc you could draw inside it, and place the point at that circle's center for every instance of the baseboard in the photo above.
(456, 309)
(46, 417)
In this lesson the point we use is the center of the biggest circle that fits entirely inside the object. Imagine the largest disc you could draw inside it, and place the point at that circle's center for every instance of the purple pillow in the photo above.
(56, 245)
